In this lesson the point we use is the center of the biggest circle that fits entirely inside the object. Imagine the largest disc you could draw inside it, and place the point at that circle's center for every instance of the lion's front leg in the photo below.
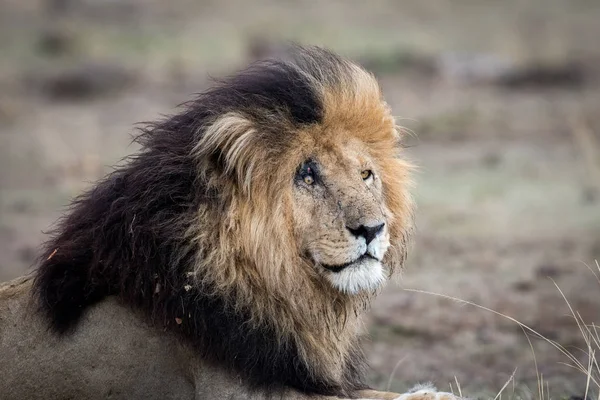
(420, 392)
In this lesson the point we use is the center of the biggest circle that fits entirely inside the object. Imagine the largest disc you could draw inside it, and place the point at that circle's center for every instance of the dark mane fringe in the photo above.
(126, 236)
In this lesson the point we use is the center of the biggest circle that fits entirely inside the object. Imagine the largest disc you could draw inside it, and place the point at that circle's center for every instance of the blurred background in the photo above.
(503, 100)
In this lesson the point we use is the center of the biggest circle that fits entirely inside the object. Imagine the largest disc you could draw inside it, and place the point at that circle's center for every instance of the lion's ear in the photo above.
(233, 139)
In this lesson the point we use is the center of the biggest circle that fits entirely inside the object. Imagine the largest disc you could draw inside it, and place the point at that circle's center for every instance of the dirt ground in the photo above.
(507, 185)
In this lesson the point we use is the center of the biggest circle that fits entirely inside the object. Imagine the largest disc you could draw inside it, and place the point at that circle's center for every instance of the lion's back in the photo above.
(113, 354)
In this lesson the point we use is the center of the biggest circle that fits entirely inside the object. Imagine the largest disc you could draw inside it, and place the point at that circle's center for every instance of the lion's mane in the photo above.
(194, 230)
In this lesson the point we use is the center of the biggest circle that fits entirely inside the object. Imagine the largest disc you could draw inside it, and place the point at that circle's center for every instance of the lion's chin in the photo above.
(363, 275)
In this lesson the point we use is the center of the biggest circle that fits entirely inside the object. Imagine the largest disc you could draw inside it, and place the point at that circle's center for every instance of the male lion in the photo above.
(231, 257)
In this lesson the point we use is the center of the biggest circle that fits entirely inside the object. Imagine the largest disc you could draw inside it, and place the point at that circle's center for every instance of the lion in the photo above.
(232, 257)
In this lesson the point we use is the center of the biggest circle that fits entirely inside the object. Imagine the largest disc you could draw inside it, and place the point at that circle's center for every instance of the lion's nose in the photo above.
(368, 232)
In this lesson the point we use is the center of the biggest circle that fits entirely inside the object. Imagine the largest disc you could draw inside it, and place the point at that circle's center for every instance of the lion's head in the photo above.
(256, 223)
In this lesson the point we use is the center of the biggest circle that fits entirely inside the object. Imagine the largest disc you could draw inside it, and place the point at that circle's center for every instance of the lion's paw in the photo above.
(427, 392)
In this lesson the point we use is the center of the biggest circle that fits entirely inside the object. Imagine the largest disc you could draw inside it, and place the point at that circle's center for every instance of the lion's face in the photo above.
(340, 217)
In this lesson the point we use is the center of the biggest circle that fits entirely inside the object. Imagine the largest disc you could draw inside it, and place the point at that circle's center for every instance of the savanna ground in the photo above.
(507, 185)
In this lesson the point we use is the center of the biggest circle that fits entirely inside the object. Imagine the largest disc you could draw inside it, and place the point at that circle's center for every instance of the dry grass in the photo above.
(590, 333)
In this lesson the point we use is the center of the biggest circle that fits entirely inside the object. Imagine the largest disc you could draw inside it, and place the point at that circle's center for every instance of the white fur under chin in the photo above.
(366, 275)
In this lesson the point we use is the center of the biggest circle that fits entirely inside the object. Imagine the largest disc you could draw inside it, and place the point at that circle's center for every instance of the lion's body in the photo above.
(234, 254)
(113, 355)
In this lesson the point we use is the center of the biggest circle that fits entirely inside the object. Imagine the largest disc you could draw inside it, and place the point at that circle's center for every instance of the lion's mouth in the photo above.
(341, 267)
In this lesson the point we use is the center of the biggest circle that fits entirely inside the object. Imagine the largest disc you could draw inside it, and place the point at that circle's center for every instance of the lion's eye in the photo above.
(366, 174)
(307, 173)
